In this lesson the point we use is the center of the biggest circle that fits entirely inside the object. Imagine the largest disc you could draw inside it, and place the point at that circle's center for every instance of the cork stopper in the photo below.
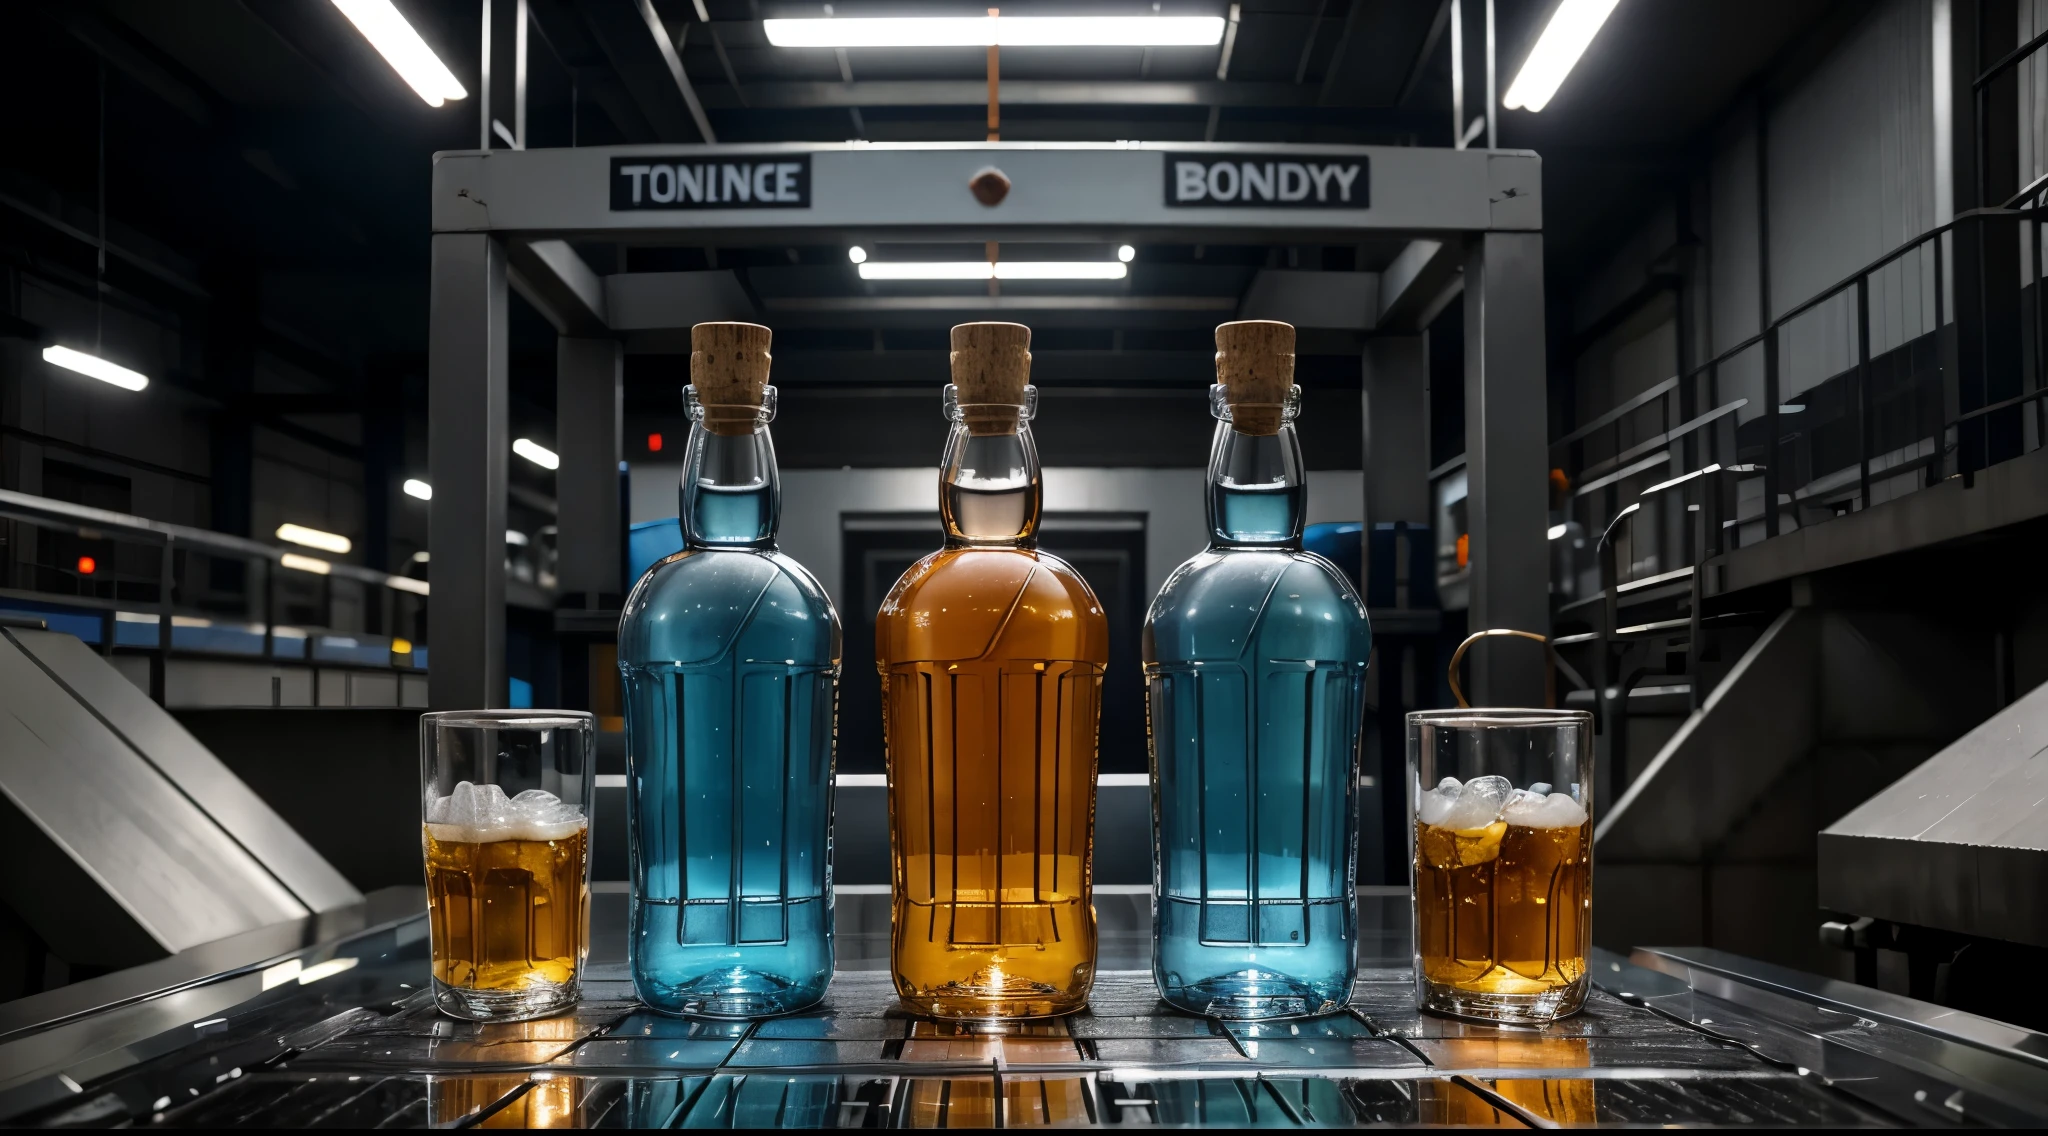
(1255, 364)
(991, 366)
(729, 368)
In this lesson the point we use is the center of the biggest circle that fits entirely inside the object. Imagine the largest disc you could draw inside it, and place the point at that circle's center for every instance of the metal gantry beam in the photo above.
(1483, 207)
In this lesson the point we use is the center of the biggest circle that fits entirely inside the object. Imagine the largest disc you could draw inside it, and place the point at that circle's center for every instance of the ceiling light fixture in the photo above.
(1002, 270)
(402, 47)
(93, 366)
(312, 564)
(998, 31)
(857, 254)
(1126, 253)
(1570, 30)
(314, 538)
(407, 584)
(414, 487)
(537, 454)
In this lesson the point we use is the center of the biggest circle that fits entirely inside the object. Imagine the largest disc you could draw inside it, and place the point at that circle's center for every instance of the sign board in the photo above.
(728, 181)
(1258, 181)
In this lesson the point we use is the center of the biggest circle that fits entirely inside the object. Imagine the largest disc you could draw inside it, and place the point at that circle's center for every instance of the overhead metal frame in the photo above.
(504, 219)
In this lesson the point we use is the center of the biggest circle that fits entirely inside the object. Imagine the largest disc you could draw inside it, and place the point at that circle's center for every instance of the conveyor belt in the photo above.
(342, 1034)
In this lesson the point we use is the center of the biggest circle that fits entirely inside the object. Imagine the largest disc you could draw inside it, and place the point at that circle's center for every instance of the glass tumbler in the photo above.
(1501, 811)
(505, 808)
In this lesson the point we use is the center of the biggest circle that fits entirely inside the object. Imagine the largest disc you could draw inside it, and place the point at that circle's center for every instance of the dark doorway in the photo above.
(1108, 549)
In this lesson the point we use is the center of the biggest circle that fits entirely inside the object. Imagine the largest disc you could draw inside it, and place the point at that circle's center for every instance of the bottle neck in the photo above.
(1255, 489)
(731, 492)
(989, 491)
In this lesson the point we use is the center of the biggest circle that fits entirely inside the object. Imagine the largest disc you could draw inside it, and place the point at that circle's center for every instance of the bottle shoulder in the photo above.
(699, 603)
(963, 603)
(1222, 601)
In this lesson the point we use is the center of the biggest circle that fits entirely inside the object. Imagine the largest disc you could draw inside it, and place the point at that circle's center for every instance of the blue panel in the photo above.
(650, 541)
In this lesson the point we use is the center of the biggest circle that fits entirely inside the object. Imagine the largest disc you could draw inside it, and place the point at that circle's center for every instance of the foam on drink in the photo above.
(480, 814)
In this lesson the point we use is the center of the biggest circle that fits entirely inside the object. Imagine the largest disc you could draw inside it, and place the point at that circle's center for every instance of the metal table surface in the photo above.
(339, 1032)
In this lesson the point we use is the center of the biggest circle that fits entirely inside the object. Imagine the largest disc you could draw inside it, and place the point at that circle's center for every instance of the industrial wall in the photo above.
(165, 454)
(1852, 163)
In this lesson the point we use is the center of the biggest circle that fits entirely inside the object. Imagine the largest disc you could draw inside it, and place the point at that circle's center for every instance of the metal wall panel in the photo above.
(1851, 169)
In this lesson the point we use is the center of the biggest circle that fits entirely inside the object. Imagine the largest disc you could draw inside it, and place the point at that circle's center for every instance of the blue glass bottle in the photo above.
(1255, 658)
(730, 656)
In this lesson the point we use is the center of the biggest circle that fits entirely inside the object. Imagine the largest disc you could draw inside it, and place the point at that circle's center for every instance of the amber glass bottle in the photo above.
(991, 654)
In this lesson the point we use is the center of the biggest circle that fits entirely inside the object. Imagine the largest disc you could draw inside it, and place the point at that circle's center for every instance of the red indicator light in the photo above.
(653, 443)
(87, 565)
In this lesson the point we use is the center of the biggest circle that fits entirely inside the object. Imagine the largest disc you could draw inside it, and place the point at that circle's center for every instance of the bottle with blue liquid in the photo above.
(729, 652)
(1255, 658)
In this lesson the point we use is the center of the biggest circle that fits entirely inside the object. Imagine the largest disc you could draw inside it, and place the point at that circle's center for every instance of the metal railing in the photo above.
(132, 574)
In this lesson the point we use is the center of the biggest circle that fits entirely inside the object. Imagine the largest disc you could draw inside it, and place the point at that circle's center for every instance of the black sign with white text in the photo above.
(1256, 181)
(733, 181)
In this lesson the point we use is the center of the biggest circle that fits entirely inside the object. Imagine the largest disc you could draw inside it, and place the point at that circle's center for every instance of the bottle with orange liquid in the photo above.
(991, 654)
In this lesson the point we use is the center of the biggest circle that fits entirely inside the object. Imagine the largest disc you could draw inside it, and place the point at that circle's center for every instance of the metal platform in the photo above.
(342, 1034)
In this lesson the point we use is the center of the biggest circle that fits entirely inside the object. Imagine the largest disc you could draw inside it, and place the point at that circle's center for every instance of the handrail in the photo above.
(2007, 61)
(1616, 414)
(1667, 437)
(1851, 280)
(35, 507)
(2004, 404)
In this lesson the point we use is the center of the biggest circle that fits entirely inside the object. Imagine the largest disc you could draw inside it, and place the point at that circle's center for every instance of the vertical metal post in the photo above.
(468, 446)
(1396, 405)
(1492, 91)
(269, 567)
(483, 93)
(1458, 74)
(160, 663)
(1506, 459)
(1774, 475)
(2040, 332)
(519, 80)
(588, 377)
(1945, 346)
(1863, 391)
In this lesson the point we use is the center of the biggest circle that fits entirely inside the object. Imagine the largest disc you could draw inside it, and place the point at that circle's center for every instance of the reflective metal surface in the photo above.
(1960, 843)
(125, 840)
(344, 1034)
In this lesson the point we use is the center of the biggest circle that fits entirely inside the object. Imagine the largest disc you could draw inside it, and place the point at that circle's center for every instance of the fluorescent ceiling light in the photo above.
(314, 538)
(514, 536)
(857, 254)
(1126, 253)
(422, 556)
(312, 564)
(1571, 29)
(1556, 531)
(1002, 270)
(999, 31)
(414, 487)
(537, 454)
(95, 367)
(403, 48)
(406, 584)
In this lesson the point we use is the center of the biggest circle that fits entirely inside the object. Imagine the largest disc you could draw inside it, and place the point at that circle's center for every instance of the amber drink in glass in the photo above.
(1501, 809)
(506, 830)
(991, 656)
